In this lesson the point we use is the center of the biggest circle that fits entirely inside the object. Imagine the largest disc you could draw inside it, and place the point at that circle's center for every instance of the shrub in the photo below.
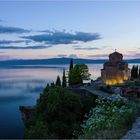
(58, 111)
(111, 115)
(37, 130)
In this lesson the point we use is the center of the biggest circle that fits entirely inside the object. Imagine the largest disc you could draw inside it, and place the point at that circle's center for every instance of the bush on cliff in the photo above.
(59, 113)
(110, 119)
(61, 110)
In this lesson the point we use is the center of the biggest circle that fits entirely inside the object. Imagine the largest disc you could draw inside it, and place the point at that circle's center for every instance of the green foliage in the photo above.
(83, 70)
(88, 102)
(60, 110)
(74, 77)
(134, 72)
(64, 82)
(139, 73)
(58, 81)
(109, 116)
(78, 74)
(71, 65)
(38, 130)
(59, 113)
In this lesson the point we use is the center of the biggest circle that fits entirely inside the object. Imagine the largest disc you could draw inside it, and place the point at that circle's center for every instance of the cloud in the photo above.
(137, 54)
(132, 54)
(62, 55)
(98, 55)
(106, 46)
(76, 46)
(58, 37)
(73, 56)
(85, 48)
(1, 20)
(3, 42)
(24, 48)
(9, 30)
(68, 56)
(4, 57)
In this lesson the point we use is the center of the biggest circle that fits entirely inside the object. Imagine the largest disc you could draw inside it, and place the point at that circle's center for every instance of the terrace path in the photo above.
(134, 133)
(96, 92)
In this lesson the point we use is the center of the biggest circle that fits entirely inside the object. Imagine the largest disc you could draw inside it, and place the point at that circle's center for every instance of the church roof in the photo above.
(115, 54)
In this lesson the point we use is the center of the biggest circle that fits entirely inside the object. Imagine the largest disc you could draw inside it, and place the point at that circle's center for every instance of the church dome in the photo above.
(115, 56)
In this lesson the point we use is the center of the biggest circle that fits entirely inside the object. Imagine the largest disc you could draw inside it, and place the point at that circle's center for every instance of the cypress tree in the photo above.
(58, 81)
(70, 72)
(139, 72)
(132, 72)
(64, 84)
(135, 71)
(71, 65)
(52, 84)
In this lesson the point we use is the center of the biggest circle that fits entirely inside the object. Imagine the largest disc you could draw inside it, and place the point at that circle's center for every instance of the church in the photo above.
(115, 71)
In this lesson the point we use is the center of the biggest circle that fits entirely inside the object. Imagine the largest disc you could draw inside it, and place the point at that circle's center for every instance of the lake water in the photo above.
(22, 86)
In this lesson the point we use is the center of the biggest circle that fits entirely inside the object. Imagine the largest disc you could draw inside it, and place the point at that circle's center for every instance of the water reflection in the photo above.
(20, 87)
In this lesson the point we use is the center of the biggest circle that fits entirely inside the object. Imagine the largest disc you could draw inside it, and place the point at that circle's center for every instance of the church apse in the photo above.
(115, 71)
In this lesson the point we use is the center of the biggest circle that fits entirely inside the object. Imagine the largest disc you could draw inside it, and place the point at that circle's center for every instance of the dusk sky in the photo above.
(92, 30)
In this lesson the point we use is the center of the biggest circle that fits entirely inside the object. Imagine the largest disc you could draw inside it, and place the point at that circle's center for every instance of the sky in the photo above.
(77, 29)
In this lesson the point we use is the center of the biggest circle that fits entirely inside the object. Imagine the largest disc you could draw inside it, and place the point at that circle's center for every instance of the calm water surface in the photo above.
(22, 86)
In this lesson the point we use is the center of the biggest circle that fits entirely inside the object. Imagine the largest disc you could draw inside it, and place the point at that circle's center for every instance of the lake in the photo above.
(22, 86)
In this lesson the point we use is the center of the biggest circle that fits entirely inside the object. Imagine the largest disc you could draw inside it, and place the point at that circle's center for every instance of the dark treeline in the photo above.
(58, 80)
(135, 72)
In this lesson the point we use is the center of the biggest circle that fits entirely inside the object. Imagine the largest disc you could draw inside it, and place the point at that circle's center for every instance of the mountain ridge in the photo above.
(58, 61)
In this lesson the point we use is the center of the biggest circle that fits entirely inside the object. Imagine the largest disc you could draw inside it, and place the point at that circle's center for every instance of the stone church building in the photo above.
(115, 71)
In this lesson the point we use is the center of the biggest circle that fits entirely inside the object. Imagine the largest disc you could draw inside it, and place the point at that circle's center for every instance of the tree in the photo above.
(52, 84)
(58, 81)
(78, 74)
(83, 70)
(37, 131)
(74, 77)
(134, 72)
(61, 111)
(139, 72)
(64, 82)
(71, 65)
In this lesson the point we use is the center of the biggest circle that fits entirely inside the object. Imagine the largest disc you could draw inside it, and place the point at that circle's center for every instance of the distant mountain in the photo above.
(52, 61)
(133, 60)
(56, 61)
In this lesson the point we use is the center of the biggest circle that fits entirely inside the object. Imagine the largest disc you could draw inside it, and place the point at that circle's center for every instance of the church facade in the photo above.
(115, 71)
